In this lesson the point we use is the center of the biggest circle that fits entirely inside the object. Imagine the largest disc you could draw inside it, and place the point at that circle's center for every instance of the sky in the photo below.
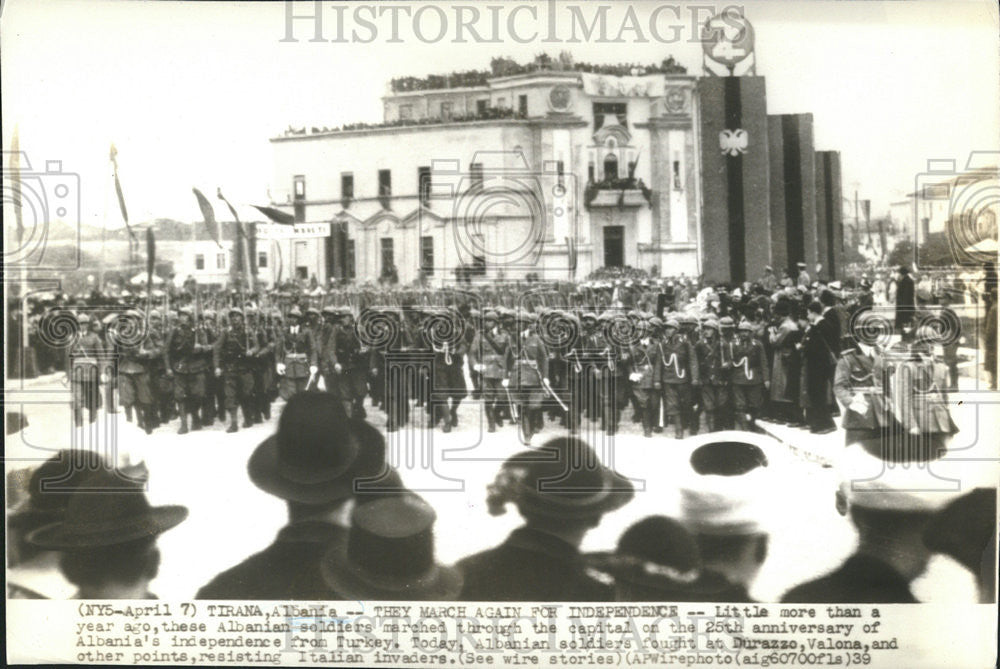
(190, 93)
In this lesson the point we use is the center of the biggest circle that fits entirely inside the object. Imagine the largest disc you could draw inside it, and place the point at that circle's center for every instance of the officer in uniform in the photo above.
(351, 356)
(83, 367)
(490, 355)
(715, 367)
(642, 376)
(296, 356)
(329, 367)
(691, 413)
(183, 361)
(858, 392)
(214, 402)
(676, 373)
(232, 365)
(449, 380)
(750, 377)
(531, 374)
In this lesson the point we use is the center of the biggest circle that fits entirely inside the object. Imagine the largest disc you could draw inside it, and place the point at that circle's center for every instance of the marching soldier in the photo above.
(232, 365)
(350, 364)
(262, 345)
(296, 356)
(490, 357)
(449, 381)
(134, 391)
(691, 413)
(183, 361)
(152, 355)
(214, 402)
(470, 335)
(613, 397)
(715, 367)
(750, 377)
(676, 373)
(83, 368)
(329, 368)
(643, 377)
(531, 375)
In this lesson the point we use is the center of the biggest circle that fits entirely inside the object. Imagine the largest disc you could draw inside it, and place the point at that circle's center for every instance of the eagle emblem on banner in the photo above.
(734, 142)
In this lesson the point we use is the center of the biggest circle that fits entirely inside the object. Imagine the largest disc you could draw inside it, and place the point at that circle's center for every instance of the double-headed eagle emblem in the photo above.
(734, 142)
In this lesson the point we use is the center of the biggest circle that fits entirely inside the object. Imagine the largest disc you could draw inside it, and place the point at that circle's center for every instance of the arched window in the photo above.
(611, 166)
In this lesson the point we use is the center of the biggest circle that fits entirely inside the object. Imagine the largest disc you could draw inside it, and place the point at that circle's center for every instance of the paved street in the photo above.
(230, 518)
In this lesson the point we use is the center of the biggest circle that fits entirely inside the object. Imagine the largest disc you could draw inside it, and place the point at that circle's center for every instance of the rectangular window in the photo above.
(522, 104)
(220, 261)
(346, 188)
(677, 175)
(502, 103)
(199, 261)
(299, 191)
(591, 174)
(560, 173)
(606, 109)
(405, 112)
(446, 108)
(476, 175)
(349, 261)
(387, 252)
(262, 259)
(427, 255)
(384, 187)
(478, 262)
(481, 106)
(424, 184)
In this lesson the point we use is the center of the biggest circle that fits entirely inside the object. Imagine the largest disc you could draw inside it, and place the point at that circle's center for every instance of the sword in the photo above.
(551, 392)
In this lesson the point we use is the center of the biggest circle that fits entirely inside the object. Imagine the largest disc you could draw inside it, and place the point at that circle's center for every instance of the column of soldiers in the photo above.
(705, 361)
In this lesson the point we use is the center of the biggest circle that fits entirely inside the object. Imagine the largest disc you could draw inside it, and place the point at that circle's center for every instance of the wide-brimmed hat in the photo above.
(50, 487)
(107, 509)
(389, 554)
(561, 479)
(656, 552)
(318, 453)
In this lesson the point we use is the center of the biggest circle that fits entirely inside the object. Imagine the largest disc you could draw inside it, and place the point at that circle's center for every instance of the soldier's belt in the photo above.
(296, 356)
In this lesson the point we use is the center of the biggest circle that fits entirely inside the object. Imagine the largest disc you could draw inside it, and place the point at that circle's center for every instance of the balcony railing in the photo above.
(616, 193)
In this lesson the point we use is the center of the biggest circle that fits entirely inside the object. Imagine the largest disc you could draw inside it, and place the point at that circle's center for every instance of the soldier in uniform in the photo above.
(329, 368)
(160, 385)
(472, 322)
(643, 377)
(727, 337)
(531, 374)
(134, 391)
(449, 380)
(750, 377)
(213, 403)
(857, 390)
(675, 375)
(618, 365)
(183, 361)
(490, 357)
(232, 365)
(715, 367)
(296, 356)
(691, 413)
(351, 356)
(83, 367)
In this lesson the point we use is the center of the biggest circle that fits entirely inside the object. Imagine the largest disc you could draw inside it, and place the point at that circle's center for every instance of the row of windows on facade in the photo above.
(447, 107)
(221, 260)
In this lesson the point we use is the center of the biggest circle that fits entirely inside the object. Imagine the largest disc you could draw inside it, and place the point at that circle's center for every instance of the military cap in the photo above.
(726, 322)
(312, 311)
(295, 312)
(711, 323)
(800, 265)
(745, 326)
(589, 315)
(646, 315)
(329, 310)
(251, 310)
(345, 311)
(655, 323)
(672, 323)
(83, 318)
(155, 314)
(474, 313)
(491, 315)
(188, 311)
(686, 319)
(606, 316)
(234, 310)
(208, 313)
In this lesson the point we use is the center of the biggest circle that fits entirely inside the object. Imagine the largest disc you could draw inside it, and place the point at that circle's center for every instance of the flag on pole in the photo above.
(118, 190)
(571, 250)
(276, 215)
(150, 258)
(243, 245)
(15, 180)
(208, 214)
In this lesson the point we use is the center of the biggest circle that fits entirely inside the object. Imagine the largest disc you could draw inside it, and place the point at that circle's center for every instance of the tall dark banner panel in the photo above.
(734, 149)
(793, 191)
(829, 214)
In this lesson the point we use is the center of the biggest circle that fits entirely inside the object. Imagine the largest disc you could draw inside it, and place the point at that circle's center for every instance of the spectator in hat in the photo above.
(803, 279)
(322, 464)
(819, 363)
(389, 555)
(562, 491)
(720, 493)
(966, 531)
(107, 538)
(657, 560)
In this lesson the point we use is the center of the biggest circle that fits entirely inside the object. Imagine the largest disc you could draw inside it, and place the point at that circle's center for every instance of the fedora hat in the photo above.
(561, 479)
(318, 452)
(50, 486)
(107, 509)
(389, 554)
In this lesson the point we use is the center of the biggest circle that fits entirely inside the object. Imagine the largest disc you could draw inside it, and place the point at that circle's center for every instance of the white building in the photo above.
(506, 176)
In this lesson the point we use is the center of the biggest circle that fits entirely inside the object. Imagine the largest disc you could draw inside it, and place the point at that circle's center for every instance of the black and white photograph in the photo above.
(560, 332)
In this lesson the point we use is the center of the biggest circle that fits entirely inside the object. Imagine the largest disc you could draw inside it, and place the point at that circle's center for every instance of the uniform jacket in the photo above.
(530, 566)
(644, 361)
(678, 363)
(297, 350)
(230, 351)
(88, 350)
(750, 364)
(180, 349)
(531, 364)
(715, 363)
(856, 374)
(917, 396)
(492, 351)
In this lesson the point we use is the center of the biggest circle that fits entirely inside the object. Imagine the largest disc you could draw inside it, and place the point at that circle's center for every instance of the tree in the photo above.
(902, 253)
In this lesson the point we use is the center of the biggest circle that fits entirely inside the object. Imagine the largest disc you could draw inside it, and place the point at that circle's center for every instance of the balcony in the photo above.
(617, 193)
